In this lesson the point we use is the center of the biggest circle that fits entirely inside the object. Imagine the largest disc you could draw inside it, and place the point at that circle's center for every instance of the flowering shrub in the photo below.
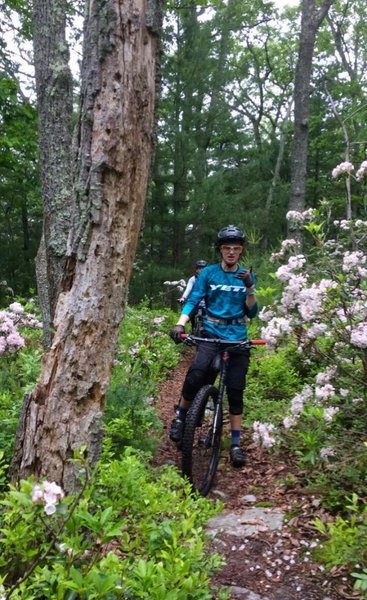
(20, 358)
(11, 320)
(343, 168)
(346, 168)
(322, 310)
(130, 532)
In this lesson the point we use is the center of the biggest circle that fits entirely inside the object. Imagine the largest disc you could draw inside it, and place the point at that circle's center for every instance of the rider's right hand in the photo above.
(181, 300)
(176, 333)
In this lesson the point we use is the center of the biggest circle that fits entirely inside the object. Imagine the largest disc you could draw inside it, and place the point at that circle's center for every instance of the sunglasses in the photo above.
(231, 248)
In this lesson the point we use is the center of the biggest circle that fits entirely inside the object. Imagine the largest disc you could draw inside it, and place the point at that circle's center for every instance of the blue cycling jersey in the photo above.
(225, 299)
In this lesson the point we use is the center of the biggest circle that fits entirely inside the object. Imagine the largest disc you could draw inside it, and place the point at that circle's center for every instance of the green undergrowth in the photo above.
(132, 532)
(145, 354)
(271, 383)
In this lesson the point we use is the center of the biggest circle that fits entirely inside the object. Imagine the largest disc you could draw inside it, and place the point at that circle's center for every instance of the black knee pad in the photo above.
(235, 401)
(195, 379)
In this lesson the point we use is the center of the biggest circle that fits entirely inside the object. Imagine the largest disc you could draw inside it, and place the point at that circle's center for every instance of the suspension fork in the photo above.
(221, 387)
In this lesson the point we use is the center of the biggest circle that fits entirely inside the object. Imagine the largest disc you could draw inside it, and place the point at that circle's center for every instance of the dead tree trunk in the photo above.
(54, 101)
(115, 141)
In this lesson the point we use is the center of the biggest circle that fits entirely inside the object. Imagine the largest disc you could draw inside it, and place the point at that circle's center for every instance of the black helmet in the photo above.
(229, 234)
(200, 264)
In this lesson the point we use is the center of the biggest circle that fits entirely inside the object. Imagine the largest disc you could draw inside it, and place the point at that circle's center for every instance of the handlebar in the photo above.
(193, 340)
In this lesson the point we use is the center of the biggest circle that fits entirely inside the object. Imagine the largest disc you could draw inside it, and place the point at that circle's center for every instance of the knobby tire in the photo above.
(200, 446)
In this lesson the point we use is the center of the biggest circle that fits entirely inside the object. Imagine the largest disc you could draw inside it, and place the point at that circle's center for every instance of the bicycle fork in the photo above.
(221, 388)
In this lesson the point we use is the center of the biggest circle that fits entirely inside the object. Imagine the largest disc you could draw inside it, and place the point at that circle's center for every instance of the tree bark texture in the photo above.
(54, 100)
(311, 20)
(115, 139)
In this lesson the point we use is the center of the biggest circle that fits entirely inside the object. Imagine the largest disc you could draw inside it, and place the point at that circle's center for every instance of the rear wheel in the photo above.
(201, 439)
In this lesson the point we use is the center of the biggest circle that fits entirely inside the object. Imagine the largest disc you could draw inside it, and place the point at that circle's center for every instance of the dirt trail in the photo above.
(269, 564)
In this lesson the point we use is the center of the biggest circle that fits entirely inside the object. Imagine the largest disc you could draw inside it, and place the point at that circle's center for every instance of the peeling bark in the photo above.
(115, 139)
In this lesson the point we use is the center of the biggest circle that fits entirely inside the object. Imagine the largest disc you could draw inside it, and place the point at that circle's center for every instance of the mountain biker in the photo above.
(230, 298)
(199, 266)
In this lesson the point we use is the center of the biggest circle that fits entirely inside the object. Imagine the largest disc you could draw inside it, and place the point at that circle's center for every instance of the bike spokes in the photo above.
(201, 443)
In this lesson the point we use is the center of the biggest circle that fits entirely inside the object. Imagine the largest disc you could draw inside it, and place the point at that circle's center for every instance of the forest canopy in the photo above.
(224, 138)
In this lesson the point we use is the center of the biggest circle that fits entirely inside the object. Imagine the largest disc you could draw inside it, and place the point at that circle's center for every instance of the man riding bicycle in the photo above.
(230, 298)
(199, 266)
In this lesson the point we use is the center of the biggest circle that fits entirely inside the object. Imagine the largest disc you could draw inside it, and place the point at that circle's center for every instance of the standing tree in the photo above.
(115, 138)
(54, 103)
(311, 19)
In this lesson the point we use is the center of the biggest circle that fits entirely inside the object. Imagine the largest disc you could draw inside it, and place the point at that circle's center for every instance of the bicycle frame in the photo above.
(193, 340)
(190, 450)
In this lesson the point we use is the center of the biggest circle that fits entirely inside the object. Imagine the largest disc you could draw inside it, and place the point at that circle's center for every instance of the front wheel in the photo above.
(201, 439)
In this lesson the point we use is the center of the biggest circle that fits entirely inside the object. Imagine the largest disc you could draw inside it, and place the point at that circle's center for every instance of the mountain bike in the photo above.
(202, 435)
(196, 319)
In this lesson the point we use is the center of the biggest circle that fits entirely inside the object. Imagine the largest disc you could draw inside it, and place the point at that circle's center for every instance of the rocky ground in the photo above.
(265, 532)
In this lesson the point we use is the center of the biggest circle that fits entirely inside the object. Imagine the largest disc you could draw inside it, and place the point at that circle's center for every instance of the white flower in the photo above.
(353, 259)
(266, 315)
(297, 405)
(325, 453)
(50, 509)
(289, 422)
(159, 320)
(16, 308)
(262, 435)
(316, 330)
(325, 376)
(298, 400)
(358, 336)
(330, 412)
(276, 327)
(324, 392)
(342, 169)
(362, 171)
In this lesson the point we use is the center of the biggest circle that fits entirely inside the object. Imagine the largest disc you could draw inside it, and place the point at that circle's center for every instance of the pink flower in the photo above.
(324, 392)
(52, 492)
(325, 376)
(289, 422)
(37, 494)
(362, 171)
(353, 259)
(15, 341)
(49, 493)
(358, 335)
(343, 168)
(7, 326)
(330, 412)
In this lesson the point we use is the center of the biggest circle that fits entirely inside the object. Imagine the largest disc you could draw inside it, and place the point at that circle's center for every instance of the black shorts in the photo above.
(237, 366)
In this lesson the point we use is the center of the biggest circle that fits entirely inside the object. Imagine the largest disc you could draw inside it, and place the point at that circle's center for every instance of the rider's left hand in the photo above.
(246, 277)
